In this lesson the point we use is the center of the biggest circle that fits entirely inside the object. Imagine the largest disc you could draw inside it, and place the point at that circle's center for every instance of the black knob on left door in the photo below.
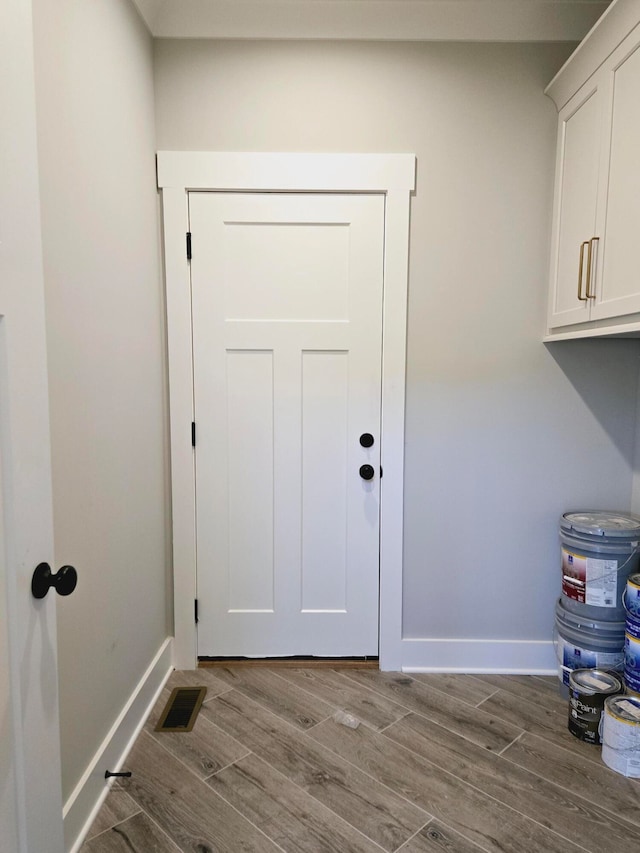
(64, 580)
(367, 472)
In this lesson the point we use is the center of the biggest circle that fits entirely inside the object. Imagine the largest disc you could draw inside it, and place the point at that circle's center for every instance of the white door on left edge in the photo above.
(30, 785)
(287, 343)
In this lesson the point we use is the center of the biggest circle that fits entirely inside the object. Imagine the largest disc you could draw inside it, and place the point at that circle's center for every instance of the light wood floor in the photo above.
(438, 764)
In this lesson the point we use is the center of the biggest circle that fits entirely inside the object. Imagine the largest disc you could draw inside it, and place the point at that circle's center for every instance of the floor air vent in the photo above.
(181, 710)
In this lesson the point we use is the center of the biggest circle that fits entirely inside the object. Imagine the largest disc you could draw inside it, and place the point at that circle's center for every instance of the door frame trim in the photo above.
(393, 175)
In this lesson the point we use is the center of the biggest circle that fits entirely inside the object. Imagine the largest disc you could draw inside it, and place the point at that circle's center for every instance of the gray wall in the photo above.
(106, 357)
(503, 432)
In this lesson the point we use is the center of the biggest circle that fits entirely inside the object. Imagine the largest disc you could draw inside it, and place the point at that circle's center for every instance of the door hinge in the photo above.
(193, 434)
(188, 245)
(195, 610)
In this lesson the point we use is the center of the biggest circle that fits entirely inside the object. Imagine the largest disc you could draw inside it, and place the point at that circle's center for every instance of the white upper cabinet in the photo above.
(595, 252)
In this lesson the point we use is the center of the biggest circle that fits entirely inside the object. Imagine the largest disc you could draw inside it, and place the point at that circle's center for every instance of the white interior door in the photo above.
(287, 343)
(30, 788)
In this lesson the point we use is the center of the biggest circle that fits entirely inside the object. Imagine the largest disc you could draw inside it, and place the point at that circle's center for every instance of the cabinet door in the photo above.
(618, 281)
(576, 194)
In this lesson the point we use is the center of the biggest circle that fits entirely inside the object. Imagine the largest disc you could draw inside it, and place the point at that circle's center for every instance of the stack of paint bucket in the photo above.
(600, 549)
(619, 729)
(632, 635)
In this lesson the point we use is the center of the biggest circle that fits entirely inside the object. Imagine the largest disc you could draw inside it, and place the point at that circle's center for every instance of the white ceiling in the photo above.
(413, 20)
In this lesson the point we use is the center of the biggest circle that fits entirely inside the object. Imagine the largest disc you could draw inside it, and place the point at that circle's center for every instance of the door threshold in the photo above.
(295, 661)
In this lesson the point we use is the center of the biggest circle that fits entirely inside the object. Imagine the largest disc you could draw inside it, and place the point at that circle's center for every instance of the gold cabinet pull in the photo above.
(586, 243)
(589, 259)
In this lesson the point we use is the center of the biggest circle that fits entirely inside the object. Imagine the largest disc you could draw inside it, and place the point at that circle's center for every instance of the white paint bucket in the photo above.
(600, 549)
(620, 735)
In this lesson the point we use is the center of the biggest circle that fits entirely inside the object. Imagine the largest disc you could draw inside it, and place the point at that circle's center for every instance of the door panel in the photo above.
(8, 781)
(575, 222)
(287, 334)
(311, 291)
(325, 476)
(618, 291)
(250, 479)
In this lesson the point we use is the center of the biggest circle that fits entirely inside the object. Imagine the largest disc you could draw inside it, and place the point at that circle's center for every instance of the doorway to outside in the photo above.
(290, 362)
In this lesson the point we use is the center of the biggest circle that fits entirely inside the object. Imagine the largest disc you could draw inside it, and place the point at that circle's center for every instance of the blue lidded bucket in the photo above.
(600, 549)
(632, 597)
(632, 606)
(632, 634)
(632, 663)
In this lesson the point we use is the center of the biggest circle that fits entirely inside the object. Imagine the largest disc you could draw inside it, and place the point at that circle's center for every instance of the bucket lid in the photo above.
(602, 523)
(626, 708)
(573, 620)
(593, 681)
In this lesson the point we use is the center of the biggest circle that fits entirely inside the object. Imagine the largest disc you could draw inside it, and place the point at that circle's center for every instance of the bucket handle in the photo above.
(630, 557)
(635, 551)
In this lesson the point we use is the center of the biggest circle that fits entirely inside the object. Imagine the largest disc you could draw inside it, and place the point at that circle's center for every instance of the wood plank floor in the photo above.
(437, 764)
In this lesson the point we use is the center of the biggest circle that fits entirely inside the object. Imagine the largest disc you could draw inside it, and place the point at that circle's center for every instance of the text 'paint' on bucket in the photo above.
(588, 688)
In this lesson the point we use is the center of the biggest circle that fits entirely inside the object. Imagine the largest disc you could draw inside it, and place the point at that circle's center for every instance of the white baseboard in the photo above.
(515, 657)
(84, 803)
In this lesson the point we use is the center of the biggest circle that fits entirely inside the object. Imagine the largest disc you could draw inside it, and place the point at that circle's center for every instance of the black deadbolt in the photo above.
(367, 472)
(366, 439)
(64, 581)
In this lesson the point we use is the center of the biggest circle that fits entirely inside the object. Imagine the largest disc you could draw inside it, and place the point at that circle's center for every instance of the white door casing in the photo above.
(392, 175)
(30, 786)
(287, 335)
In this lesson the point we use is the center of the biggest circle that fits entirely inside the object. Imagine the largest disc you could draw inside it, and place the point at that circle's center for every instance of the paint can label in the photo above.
(632, 662)
(621, 736)
(621, 761)
(588, 580)
(632, 597)
(632, 627)
(572, 657)
(584, 724)
(588, 690)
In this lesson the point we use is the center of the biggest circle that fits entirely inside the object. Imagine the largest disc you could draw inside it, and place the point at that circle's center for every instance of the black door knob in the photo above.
(367, 472)
(366, 439)
(64, 580)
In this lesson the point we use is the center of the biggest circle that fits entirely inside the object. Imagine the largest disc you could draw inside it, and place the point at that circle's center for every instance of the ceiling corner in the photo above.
(148, 10)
